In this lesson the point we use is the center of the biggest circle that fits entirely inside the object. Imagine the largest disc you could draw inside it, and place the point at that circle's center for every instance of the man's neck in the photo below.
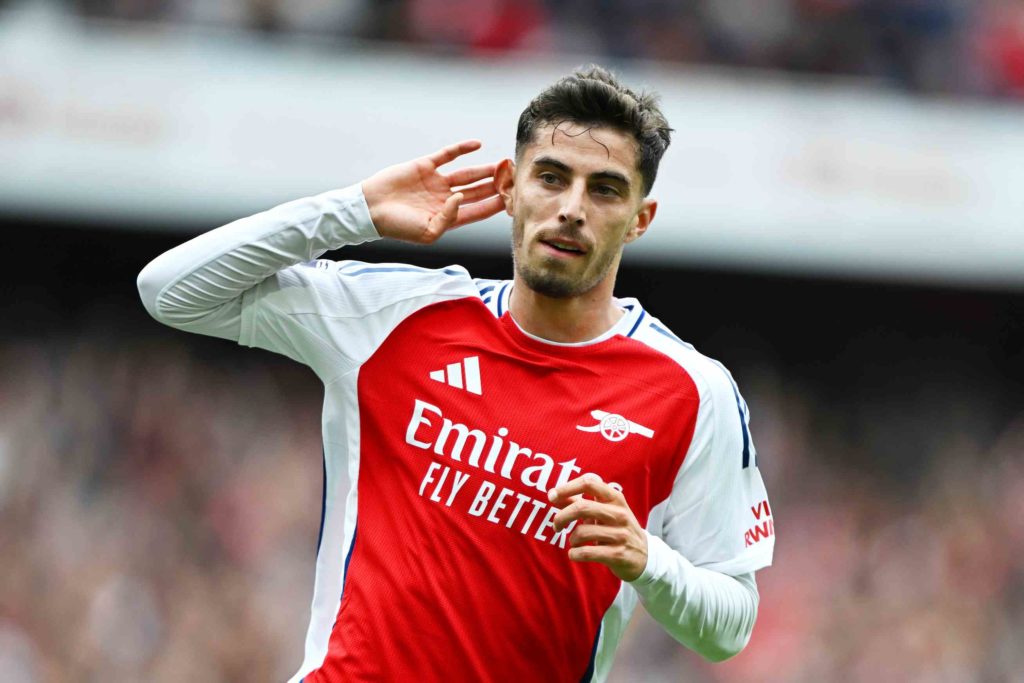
(564, 320)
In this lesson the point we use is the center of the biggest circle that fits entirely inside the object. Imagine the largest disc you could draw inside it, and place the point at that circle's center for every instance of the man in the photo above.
(529, 458)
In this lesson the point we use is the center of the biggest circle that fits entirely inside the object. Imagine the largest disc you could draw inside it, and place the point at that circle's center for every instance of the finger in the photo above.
(470, 175)
(478, 192)
(453, 152)
(590, 510)
(605, 554)
(471, 213)
(585, 534)
(445, 218)
(590, 484)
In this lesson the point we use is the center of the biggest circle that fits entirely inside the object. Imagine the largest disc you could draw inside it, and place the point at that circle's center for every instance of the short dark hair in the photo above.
(593, 95)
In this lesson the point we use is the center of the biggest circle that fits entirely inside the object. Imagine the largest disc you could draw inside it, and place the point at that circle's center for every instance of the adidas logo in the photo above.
(462, 375)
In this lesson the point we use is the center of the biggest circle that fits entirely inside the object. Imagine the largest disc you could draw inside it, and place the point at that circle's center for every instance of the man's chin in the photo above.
(551, 284)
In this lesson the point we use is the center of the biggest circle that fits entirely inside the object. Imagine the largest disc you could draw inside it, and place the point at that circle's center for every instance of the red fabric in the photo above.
(434, 592)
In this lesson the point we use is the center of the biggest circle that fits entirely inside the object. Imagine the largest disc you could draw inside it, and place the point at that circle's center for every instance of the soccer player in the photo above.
(528, 459)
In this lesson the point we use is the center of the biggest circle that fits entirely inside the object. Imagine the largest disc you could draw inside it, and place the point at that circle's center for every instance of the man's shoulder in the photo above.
(388, 271)
(707, 373)
(399, 277)
(360, 287)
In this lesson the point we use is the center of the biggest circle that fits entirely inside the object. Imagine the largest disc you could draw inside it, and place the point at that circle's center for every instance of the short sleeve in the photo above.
(332, 315)
(718, 515)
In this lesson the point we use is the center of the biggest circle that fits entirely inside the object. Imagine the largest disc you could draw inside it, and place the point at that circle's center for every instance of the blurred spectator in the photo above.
(485, 25)
(1001, 46)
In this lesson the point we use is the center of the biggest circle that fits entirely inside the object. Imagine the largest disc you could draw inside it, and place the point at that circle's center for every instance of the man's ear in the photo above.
(648, 207)
(505, 182)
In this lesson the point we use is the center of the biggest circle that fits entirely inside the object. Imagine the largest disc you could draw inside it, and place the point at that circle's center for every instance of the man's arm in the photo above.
(709, 612)
(694, 572)
(198, 285)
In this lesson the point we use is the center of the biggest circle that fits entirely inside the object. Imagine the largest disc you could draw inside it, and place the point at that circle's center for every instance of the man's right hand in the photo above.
(415, 202)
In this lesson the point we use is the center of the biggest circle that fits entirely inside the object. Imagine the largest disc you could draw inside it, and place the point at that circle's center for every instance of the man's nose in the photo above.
(572, 210)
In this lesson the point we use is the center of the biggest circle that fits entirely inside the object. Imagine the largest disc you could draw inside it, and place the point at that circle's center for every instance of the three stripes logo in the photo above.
(462, 375)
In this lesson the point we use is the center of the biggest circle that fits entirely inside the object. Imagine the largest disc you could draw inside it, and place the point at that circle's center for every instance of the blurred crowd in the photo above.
(159, 507)
(970, 47)
(158, 516)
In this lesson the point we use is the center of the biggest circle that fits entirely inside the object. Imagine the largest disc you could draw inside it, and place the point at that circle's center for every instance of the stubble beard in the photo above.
(550, 280)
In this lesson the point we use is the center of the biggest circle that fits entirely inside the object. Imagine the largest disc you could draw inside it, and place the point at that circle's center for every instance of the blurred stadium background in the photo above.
(842, 223)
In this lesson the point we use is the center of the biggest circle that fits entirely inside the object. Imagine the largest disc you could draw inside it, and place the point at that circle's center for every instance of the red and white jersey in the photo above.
(444, 426)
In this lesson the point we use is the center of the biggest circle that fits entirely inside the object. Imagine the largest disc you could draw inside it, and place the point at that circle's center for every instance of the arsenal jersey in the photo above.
(445, 425)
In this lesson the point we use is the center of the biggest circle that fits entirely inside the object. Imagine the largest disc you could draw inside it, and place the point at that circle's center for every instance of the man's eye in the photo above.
(548, 178)
(606, 190)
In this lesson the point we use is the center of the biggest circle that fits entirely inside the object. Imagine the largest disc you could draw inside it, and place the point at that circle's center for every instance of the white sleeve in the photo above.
(718, 515)
(709, 612)
(714, 531)
(254, 281)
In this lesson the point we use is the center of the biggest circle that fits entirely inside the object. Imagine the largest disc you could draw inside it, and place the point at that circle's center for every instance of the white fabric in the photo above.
(715, 499)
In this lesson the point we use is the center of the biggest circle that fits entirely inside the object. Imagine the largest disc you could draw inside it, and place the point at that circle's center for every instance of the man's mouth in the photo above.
(564, 246)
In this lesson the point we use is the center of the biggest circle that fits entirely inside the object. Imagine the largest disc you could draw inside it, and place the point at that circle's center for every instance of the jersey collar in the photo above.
(627, 325)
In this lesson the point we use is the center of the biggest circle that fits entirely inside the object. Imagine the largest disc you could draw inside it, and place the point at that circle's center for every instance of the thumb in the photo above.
(446, 217)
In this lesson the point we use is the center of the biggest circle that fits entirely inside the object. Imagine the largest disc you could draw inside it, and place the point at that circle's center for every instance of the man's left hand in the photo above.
(606, 530)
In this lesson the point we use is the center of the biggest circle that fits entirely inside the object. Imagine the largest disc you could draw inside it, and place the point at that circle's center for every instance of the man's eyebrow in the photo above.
(550, 161)
(599, 175)
(611, 175)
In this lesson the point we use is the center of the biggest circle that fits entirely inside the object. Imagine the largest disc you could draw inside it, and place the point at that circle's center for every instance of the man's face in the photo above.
(575, 202)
